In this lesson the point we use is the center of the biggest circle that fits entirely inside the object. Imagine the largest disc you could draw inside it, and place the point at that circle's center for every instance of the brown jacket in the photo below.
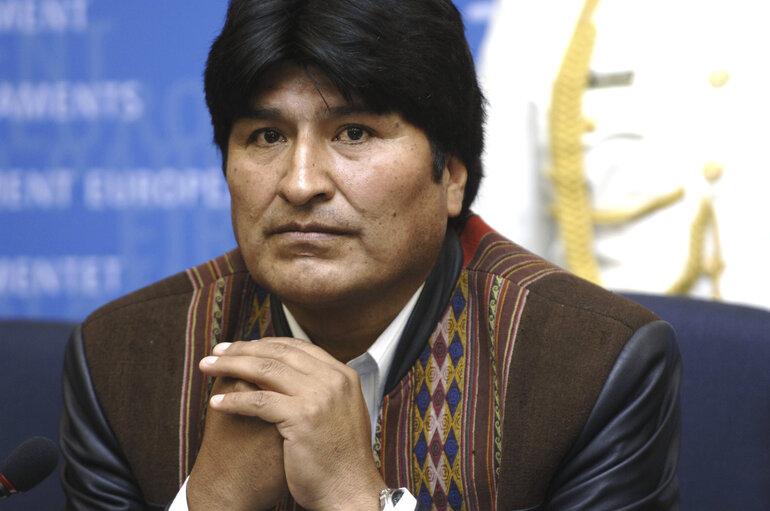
(532, 389)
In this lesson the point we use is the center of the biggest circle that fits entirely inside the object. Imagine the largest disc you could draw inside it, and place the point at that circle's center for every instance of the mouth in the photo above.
(310, 229)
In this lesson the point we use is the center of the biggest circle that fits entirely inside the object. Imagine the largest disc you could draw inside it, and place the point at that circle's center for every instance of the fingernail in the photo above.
(209, 360)
(222, 346)
(216, 399)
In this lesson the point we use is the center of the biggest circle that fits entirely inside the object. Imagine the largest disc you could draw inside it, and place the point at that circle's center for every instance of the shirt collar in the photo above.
(372, 366)
(383, 349)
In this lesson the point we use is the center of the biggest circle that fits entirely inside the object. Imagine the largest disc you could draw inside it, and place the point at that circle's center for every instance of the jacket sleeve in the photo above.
(95, 475)
(626, 455)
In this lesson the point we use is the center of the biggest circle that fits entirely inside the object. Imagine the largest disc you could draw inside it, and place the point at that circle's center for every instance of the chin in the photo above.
(306, 284)
(317, 297)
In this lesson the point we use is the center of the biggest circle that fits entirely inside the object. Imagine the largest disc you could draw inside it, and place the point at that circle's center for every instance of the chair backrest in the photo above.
(31, 356)
(725, 450)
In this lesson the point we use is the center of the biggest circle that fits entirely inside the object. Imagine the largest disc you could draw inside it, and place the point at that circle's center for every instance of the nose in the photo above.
(307, 177)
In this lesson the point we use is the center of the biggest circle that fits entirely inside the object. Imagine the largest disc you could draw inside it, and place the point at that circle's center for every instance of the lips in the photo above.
(310, 228)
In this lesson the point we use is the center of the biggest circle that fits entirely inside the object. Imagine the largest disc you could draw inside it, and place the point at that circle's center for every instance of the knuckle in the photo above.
(335, 381)
(343, 380)
(281, 349)
(311, 411)
(351, 375)
(258, 400)
(297, 343)
(271, 366)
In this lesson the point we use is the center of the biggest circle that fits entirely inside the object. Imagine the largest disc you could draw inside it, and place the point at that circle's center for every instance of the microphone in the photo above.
(28, 465)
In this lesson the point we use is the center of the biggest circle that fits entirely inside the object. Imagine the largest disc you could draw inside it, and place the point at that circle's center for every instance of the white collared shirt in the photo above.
(374, 364)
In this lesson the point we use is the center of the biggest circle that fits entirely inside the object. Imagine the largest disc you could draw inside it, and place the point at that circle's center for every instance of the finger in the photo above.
(265, 373)
(220, 348)
(264, 404)
(302, 355)
(304, 346)
(241, 347)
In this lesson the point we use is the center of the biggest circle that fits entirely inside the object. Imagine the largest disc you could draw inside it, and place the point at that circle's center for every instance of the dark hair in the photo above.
(404, 56)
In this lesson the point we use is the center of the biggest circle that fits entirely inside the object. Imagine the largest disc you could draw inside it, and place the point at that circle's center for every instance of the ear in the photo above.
(455, 176)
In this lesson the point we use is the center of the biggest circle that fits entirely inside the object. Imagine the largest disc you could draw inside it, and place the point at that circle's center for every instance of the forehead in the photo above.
(290, 86)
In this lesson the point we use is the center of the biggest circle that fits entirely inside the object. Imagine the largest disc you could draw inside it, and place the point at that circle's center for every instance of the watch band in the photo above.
(391, 497)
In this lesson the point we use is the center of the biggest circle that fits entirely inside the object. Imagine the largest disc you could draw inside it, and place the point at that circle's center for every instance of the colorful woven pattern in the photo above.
(438, 427)
(441, 429)
(212, 287)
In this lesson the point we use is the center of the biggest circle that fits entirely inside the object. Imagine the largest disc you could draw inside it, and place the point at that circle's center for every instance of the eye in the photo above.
(352, 134)
(266, 136)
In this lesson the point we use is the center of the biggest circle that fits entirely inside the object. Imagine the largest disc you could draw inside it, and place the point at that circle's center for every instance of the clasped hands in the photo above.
(284, 416)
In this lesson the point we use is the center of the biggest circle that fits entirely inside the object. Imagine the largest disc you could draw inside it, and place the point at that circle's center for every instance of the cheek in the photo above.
(236, 185)
(392, 185)
(248, 191)
(236, 203)
(414, 198)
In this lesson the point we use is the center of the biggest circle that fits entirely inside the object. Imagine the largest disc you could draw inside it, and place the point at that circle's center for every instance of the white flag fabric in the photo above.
(679, 114)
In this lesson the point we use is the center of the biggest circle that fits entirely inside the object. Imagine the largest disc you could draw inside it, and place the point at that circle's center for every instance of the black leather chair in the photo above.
(725, 451)
(31, 355)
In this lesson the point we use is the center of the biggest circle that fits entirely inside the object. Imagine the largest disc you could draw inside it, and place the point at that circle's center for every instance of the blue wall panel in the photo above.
(108, 176)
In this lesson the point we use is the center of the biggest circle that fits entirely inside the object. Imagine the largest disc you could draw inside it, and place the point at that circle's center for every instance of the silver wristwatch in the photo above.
(389, 497)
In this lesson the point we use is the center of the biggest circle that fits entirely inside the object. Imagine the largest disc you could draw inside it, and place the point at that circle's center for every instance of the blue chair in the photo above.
(31, 356)
(725, 451)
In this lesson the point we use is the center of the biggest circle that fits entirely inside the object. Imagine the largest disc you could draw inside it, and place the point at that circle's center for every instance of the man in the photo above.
(477, 375)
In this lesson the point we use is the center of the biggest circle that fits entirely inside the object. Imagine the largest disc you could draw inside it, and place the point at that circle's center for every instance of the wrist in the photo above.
(354, 495)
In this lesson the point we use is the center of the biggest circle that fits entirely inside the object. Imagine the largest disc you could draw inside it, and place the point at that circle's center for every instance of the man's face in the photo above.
(333, 205)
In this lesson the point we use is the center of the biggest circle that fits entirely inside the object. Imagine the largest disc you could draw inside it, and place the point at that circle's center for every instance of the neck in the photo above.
(347, 332)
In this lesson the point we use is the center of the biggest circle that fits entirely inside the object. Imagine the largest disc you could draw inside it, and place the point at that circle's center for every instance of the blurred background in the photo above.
(108, 177)
(109, 180)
